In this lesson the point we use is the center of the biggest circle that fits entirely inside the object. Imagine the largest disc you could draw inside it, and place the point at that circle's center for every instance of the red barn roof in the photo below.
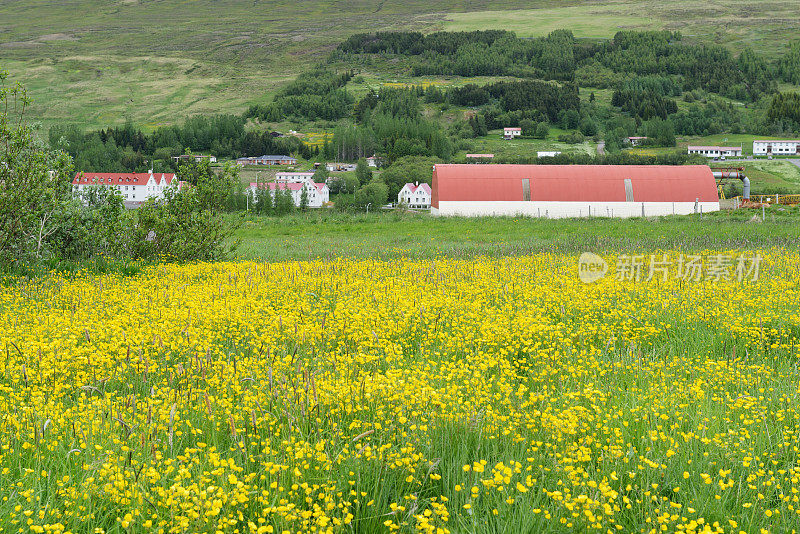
(580, 183)
(121, 178)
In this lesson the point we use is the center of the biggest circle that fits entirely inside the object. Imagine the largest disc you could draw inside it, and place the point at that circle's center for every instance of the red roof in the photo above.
(121, 178)
(425, 187)
(294, 186)
(564, 183)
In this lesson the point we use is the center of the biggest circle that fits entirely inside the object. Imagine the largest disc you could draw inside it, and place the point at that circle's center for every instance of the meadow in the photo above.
(446, 394)
(321, 235)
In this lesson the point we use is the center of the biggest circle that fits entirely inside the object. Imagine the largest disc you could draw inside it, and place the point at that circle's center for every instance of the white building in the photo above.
(777, 148)
(415, 195)
(296, 182)
(373, 161)
(511, 133)
(547, 154)
(134, 187)
(636, 140)
(716, 151)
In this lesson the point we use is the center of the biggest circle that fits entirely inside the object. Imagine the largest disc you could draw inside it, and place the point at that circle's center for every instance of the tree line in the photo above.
(128, 148)
(559, 56)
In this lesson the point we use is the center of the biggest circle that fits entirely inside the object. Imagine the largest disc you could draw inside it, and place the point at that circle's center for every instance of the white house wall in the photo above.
(778, 148)
(558, 210)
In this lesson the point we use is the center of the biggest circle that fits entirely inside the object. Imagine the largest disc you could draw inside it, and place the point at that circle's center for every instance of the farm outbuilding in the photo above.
(557, 191)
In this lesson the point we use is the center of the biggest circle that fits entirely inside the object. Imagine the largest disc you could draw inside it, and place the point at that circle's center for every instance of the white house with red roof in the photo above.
(134, 187)
(511, 133)
(415, 195)
(296, 182)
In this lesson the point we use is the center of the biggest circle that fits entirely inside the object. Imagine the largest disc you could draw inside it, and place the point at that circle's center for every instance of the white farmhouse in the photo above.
(415, 195)
(511, 133)
(296, 182)
(777, 148)
(134, 187)
(547, 153)
(716, 151)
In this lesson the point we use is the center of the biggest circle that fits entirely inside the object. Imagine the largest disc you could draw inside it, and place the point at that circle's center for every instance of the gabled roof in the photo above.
(121, 178)
(413, 188)
(565, 183)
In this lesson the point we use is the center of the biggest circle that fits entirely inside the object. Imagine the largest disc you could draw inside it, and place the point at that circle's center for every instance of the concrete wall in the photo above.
(557, 210)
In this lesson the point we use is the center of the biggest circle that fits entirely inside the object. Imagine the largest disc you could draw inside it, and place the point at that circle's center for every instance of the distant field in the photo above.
(601, 21)
(764, 26)
(100, 62)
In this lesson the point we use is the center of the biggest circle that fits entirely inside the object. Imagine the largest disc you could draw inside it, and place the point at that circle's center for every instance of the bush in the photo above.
(571, 138)
(173, 229)
(371, 196)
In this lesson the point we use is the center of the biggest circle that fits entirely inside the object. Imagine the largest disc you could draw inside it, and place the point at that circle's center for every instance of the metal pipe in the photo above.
(735, 175)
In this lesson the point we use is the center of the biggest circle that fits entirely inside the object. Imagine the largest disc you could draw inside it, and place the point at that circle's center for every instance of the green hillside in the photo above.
(101, 62)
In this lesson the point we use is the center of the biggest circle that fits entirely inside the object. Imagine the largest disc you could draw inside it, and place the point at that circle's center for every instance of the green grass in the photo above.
(766, 175)
(394, 235)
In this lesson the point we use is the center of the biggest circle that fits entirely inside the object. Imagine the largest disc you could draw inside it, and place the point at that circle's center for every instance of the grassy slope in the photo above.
(420, 236)
(763, 26)
(99, 62)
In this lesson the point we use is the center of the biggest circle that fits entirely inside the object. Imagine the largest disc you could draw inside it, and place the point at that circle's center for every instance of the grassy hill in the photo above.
(100, 62)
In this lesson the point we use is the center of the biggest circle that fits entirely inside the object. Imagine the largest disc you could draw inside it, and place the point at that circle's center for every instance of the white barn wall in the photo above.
(559, 210)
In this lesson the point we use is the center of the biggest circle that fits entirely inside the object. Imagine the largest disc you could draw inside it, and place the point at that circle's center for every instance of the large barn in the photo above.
(556, 191)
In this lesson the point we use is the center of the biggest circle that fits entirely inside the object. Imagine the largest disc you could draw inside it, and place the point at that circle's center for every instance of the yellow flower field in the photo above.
(366, 396)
